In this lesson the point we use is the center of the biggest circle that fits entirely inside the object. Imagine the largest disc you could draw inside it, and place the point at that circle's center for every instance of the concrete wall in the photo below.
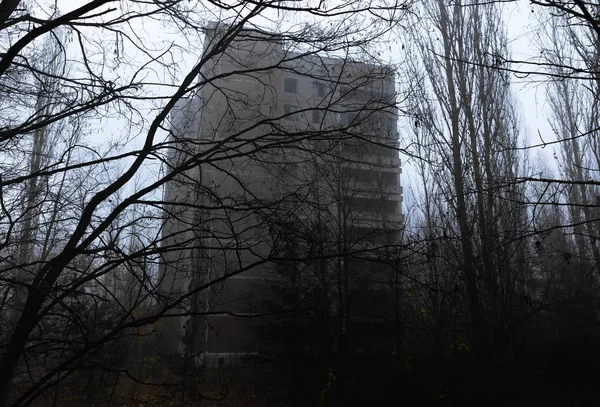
(261, 145)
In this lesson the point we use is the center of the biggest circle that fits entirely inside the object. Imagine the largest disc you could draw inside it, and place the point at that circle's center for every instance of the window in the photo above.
(373, 121)
(290, 110)
(348, 119)
(290, 85)
(318, 89)
(317, 116)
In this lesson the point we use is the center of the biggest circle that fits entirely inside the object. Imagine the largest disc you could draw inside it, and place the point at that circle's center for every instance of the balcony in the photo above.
(378, 220)
(371, 190)
(373, 162)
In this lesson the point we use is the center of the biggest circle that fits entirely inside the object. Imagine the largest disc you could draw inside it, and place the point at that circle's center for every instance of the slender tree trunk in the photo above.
(469, 268)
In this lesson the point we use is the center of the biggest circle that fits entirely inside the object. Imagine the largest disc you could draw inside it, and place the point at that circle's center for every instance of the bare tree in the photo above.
(470, 124)
(116, 76)
(575, 122)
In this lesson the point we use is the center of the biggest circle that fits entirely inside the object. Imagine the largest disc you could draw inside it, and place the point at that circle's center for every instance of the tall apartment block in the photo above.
(292, 175)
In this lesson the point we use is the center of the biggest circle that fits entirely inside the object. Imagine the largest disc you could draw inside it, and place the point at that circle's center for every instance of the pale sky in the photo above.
(521, 28)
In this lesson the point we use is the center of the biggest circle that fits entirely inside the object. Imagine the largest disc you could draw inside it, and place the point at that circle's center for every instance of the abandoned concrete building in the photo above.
(288, 155)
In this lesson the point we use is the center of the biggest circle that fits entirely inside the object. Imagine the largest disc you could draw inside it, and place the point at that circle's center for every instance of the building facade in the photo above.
(293, 175)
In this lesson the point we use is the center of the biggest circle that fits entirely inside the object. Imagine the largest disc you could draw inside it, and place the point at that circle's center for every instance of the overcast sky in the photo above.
(522, 33)
(521, 24)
